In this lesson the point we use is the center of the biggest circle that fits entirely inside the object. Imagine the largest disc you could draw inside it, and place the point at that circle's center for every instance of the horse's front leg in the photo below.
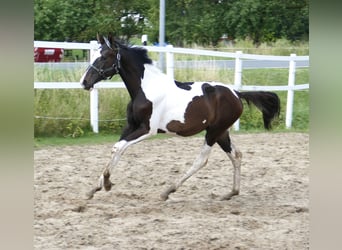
(117, 151)
(104, 180)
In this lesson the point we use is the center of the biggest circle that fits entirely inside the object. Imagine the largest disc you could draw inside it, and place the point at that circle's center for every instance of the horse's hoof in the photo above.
(226, 197)
(164, 196)
(229, 196)
(107, 185)
(213, 196)
(91, 193)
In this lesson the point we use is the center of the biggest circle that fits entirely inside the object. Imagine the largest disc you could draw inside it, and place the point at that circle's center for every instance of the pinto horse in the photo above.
(160, 104)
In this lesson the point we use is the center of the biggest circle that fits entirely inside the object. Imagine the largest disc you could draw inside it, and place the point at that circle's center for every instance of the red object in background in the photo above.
(48, 54)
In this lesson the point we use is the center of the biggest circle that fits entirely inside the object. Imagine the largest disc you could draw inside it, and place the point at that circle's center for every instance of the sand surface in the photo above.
(271, 211)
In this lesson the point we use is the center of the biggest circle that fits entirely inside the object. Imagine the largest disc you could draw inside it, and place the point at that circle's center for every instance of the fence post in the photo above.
(290, 92)
(94, 113)
(238, 80)
(94, 95)
(170, 62)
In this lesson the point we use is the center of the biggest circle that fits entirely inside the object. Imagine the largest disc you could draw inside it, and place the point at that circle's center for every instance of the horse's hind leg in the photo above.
(200, 162)
(235, 156)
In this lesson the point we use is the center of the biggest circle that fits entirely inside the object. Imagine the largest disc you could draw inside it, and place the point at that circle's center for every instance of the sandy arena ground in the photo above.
(271, 211)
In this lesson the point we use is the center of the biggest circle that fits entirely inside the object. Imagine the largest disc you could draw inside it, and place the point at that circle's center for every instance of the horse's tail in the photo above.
(267, 102)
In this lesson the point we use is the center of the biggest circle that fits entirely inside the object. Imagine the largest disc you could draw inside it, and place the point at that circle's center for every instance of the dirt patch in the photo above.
(271, 211)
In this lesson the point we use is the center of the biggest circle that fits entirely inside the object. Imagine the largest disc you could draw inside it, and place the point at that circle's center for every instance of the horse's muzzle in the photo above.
(86, 86)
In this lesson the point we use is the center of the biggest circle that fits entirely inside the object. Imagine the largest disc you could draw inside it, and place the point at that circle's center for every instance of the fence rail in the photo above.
(93, 47)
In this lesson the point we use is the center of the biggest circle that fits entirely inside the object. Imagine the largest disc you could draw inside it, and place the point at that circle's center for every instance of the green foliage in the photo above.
(73, 130)
(265, 21)
(80, 20)
(61, 20)
(188, 22)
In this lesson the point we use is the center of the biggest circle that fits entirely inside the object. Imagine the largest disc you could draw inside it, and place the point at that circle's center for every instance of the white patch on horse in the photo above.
(118, 146)
(162, 91)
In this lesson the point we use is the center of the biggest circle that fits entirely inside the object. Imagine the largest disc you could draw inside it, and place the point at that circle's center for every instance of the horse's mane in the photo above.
(139, 52)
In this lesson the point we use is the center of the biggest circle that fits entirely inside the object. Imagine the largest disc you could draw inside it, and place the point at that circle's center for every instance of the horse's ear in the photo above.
(108, 43)
(100, 39)
(112, 41)
(110, 38)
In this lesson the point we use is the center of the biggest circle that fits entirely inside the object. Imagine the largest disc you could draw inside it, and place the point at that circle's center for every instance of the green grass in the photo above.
(89, 138)
(86, 139)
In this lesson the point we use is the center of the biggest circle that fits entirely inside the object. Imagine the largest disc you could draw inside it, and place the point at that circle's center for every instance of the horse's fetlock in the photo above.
(238, 154)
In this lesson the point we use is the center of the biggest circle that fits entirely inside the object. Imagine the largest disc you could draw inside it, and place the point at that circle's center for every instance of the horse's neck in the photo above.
(151, 78)
(132, 83)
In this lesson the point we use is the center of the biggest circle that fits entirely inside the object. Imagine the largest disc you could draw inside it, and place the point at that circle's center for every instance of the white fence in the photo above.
(170, 50)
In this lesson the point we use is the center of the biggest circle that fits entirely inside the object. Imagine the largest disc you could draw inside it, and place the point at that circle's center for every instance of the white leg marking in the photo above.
(117, 151)
(119, 148)
(235, 156)
(200, 162)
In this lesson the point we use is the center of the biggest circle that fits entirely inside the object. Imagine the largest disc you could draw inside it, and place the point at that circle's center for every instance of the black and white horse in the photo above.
(160, 104)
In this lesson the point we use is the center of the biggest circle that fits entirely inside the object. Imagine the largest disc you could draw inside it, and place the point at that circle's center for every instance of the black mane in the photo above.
(140, 53)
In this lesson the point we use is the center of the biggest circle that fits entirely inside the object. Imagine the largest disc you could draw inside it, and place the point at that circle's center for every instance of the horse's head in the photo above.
(105, 66)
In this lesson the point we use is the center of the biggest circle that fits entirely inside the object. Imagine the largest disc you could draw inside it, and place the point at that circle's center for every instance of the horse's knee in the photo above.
(238, 155)
(117, 147)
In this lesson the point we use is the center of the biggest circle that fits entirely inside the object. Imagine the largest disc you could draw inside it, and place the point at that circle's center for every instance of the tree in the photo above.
(264, 20)
(187, 21)
(61, 20)
(80, 20)
(192, 21)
